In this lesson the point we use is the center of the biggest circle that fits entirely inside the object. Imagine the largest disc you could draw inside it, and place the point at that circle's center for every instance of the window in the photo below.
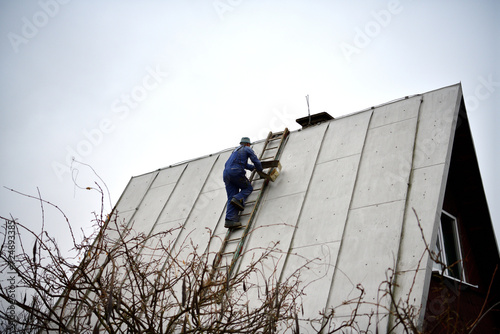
(447, 248)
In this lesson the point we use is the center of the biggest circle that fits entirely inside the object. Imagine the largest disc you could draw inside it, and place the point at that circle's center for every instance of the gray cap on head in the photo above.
(245, 140)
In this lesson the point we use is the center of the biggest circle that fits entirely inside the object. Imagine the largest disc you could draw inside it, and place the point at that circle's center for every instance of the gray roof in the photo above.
(346, 197)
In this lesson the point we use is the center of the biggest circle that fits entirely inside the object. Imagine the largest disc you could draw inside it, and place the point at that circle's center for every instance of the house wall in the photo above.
(460, 304)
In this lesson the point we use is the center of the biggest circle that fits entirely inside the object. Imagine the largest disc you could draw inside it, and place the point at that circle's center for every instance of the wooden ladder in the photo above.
(230, 250)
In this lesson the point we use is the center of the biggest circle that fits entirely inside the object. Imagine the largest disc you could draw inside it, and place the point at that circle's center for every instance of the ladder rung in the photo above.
(227, 253)
(255, 189)
(267, 158)
(233, 239)
(275, 138)
(271, 148)
(250, 202)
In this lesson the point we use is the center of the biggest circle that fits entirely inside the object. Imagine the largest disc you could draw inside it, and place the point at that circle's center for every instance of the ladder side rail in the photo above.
(239, 247)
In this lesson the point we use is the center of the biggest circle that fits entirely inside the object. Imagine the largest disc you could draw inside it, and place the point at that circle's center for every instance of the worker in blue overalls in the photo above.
(238, 187)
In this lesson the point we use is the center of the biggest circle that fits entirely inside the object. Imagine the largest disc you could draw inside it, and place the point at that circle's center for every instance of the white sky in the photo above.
(133, 86)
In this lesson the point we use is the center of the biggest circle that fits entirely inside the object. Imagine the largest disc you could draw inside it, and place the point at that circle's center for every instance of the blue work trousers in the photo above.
(237, 186)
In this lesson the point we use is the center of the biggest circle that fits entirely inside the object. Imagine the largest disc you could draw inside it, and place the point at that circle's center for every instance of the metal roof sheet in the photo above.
(345, 198)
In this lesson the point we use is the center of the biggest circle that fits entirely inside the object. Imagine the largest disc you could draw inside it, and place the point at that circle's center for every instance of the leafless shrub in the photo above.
(129, 282)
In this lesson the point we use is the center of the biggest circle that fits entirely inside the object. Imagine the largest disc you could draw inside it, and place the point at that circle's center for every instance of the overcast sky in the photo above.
(132, 86)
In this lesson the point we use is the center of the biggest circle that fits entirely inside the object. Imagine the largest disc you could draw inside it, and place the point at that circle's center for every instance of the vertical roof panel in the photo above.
(130, 201)
(180, 203)
(186, 191)
(150, 209)
(168, 175)
(134, 192)
(369, 248)
(432, 154)
(327, 202)
(277, 225)
(370, 240)
(320, 228)
(285, 196)
(214, 180)
(298, 159)
(345, 137)
(385, 164)
(436, 126)
(208, 210)
(204, 219)
(155, 198)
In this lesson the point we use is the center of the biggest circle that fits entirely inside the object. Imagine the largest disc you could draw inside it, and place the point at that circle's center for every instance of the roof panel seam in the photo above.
(427, 166)
(377, 204)
(212, 190)
(316, 244)
(395, 122)
(282, 196)
(163, 185)
(338, 158)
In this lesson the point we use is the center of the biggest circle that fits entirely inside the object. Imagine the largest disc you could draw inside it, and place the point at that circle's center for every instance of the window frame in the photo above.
(440, 250)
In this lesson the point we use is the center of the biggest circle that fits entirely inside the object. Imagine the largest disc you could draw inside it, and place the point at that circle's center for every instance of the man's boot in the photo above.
(238, 203)
(231, 224)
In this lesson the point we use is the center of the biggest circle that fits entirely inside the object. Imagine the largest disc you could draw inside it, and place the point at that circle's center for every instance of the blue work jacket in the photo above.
(238, 161)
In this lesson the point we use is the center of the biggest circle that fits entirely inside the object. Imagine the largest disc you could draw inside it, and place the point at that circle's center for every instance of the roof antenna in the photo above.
(308, 111)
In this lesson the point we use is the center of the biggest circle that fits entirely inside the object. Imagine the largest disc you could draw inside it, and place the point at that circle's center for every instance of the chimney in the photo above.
(314, 119)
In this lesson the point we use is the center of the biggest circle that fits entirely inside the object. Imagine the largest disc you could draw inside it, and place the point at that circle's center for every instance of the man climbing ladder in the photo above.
(238, 187)
(230, 249)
